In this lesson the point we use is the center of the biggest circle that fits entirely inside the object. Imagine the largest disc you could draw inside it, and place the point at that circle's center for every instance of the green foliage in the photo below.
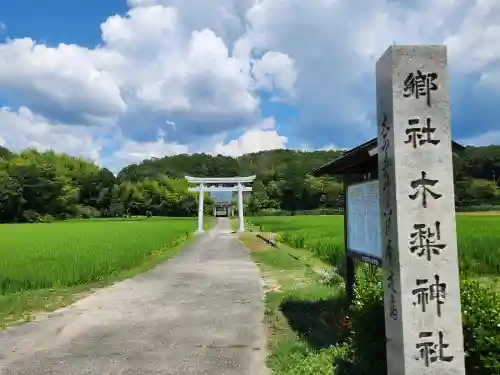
(367, 323)
(87, 212)
(479, 245)
(481, 323)
(34, 184)
(284, 182)
(37, 186)
(303, 316)
(479, 250)
(479, 208)
(65, 254)
(477, 192)
(478, 239)
(294, 357)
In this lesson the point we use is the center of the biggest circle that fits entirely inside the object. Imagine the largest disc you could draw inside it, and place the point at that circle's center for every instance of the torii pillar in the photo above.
(241, 219)
(200, 208)
(204, 186)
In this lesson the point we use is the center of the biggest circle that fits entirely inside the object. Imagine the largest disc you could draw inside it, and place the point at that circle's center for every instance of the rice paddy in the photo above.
(67, 254)
(478, 239)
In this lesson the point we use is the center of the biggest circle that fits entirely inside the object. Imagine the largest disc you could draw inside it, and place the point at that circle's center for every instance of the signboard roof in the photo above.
(361, 159)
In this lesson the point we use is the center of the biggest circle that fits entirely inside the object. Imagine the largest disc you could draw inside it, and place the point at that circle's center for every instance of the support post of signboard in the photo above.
(350, 269)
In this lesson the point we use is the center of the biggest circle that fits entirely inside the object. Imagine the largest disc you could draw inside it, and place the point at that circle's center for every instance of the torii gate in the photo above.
(209, 184)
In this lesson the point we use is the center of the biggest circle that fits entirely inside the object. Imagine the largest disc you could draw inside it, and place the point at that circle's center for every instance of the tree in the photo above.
(38, 186)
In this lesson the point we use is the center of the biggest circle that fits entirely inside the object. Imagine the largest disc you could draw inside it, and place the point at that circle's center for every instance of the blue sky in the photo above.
(117, 81)
(58, 21)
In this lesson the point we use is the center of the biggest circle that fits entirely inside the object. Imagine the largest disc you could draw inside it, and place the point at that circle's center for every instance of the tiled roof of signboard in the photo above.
(360, 159)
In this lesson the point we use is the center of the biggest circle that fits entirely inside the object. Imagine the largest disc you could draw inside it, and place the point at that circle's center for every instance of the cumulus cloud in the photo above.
(66, 82)
(23, 129)
(261, 137)
(174, 76)
(275, 72)
(134, 152)
(150, 67)
(335, 44)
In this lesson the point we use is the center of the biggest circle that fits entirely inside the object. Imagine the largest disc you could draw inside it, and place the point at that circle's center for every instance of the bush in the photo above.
(280, 212)
(480, 322)
(30, 216)
(87, 212)
(367, 323)
(46, 218)
(481, 325)
(478, 208)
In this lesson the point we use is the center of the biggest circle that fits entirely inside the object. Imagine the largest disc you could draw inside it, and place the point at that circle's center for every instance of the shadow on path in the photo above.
(321, 323)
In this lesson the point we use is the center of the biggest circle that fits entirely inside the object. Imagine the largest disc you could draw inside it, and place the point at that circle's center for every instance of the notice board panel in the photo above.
(363, 218)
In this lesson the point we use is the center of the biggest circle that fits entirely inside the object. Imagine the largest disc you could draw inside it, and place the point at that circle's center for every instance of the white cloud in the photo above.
(23, 129)
(261, 137)
(275, 71)
(150, 68)
(334, 46)
(59, 81)
(134, 152)
(225, 17)
(185, 74)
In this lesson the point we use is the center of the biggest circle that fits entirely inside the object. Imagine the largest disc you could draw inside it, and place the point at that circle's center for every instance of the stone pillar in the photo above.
(420, 263)
(214, 210)
(200, 209)
(241, 226)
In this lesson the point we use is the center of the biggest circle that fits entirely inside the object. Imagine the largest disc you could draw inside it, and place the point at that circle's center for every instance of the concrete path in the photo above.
(198, 313)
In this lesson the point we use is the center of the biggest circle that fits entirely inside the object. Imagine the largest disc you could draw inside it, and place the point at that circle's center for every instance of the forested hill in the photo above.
(43, 186)
(273, 164)
(284, 178)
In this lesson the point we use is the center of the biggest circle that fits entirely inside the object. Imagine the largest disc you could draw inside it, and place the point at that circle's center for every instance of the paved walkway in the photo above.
(198, 313)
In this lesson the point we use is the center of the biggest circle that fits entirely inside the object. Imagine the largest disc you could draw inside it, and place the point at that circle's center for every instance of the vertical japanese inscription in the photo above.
(422, 187)
(417, 216)
(425, 293)
(387, 213)
(425, 240)
(419, 85)
(431, 351)
(420, 134)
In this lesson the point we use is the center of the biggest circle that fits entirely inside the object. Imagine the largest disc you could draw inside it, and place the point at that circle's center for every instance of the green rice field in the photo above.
(67, 254)
(478, 239)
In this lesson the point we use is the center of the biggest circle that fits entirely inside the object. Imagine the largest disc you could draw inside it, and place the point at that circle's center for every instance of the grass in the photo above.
(47, 266)
(304, 309)
(478, 239)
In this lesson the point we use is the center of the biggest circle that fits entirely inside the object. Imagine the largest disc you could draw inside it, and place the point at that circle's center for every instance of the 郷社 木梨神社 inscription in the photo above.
(420, 261)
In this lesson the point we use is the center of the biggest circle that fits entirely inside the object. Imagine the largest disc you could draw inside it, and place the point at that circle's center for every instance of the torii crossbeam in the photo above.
(208, 184)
